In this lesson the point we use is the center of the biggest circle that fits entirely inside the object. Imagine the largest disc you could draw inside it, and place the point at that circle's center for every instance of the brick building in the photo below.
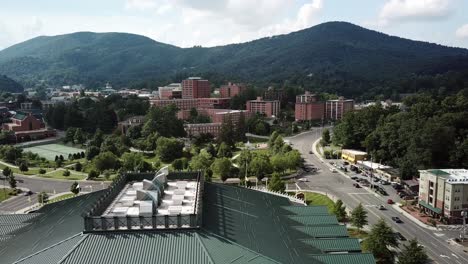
(195, 87)
(336, 109)
(213, 103)
(182, 104)
(27, 126)
(171, 91)
(231, 90)
(269, 108)
(207, 128)
(444, 193)
(123, 126)
(308, 107)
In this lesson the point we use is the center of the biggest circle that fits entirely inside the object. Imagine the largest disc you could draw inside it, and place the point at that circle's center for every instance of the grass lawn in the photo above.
(49, 151)
(58, 174)
(4, 194)
(61, 197)
(31, 171)
(319, 199)
(352, 232)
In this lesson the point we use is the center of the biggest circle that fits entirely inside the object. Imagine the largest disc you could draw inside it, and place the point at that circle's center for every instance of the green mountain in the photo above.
(9, 85)
(327, 50)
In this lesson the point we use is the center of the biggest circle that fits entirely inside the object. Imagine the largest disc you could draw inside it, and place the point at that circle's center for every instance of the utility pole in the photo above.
(464, 215)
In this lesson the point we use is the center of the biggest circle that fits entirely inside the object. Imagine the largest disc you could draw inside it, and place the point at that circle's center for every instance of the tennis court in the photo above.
(49, 151)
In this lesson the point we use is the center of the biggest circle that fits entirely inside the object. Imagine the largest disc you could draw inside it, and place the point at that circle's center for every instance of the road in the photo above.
(340, 186)
(37, 185)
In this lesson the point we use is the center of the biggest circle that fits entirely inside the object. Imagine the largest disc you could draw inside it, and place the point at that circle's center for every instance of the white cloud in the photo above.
(410, 10)
(140, 4)
(462, 32)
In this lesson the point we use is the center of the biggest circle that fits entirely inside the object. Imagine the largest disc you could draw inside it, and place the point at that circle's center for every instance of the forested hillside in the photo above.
(337, 55)
(9, 85)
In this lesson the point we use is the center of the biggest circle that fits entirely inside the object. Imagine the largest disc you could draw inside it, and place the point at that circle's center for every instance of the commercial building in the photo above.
(309, 108)
(195, 87)
(231, 90)
(353, 156)
(268, 108)
(136, 220)
(336, 109)
(443, 193)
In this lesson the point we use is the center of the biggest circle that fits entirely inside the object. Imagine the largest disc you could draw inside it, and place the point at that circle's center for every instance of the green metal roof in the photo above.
(430, 207)
(334, 245)
(305, 210)
(20, 116)
(54, 253)
(330, 231)
(439, 173)
(186, 247)
(361, 258)
(17, 218)
(57, 222)
(312, 220)
(6, 229)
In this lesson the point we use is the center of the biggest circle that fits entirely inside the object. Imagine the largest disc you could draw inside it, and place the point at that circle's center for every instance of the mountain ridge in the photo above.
(329, 49)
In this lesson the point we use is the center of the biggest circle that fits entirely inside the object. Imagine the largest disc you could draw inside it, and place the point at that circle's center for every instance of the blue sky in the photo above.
(217, 22)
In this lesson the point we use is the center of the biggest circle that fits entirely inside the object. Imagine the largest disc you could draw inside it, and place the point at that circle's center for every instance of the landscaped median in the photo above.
(5, 194)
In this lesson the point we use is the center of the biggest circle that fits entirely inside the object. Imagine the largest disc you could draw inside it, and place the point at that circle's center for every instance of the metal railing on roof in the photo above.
(285, 195)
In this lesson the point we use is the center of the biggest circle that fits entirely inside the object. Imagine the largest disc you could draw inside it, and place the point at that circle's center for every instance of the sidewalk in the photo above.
(412, 218)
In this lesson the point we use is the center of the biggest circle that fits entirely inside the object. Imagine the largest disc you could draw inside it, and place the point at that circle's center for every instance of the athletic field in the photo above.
(49, 151)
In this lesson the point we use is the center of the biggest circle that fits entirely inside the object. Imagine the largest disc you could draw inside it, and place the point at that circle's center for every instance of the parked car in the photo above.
(346, 163)
(389, 201)
(384, 182)
(356, 185)
(396, 219)
(332, 170)
(310, 152)
(382, 207)
(399, 236)
(28, 193)
(354, 178)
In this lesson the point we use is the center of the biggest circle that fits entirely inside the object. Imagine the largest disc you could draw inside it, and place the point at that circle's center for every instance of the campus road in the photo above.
(340, 186)
(37, 185)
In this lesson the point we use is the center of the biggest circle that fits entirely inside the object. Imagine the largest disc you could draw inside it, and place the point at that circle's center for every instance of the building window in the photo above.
(431, 192)
(431, 184)
(431, 200)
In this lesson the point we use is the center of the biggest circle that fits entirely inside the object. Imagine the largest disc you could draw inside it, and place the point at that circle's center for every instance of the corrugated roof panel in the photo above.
(17, 218)
(304, 210)
(334, 245)
(139, 248)
(224, 251)
(312, 220)
(321, 231)
(6, 229)
(357, 258)
(53, 254)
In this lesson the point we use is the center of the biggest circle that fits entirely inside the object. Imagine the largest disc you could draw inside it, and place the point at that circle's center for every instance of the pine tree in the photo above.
(413, 253)
(359, 217)
(380, 237)
(339, 210)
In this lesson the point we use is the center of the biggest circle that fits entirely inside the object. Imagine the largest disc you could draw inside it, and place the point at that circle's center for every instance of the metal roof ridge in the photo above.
(204, 248)
(73, 248)
(47, 248)
(237, 244)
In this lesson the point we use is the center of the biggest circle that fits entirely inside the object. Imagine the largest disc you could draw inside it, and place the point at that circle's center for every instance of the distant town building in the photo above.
(182, 104)
(231, 90)
(171, 91)
(273, 94)
(308, 107)
(269, 108)
(336, 109)
(207, 128)
(123, 126)
(213, 103)
(195, 87)
(444, 193)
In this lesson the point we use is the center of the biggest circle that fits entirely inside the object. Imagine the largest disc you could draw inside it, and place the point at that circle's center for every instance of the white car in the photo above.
(332, 170)
(303, 180)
